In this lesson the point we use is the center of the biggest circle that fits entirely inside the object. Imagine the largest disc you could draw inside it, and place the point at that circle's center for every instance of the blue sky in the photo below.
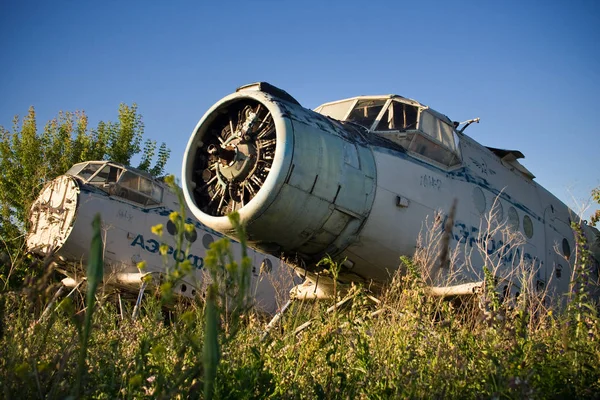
(529, 70)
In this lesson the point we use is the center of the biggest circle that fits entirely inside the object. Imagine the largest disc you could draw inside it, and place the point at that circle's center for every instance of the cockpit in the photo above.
(121, 181)
(420, 130)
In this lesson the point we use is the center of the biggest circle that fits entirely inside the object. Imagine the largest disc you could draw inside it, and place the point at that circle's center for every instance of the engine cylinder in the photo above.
(302, 183)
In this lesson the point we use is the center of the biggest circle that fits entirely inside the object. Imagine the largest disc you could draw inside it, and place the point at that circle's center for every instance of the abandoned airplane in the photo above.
(356, 179)
(130, 202)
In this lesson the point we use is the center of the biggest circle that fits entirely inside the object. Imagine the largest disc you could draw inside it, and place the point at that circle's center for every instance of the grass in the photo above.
(407, 345)
(419, 347)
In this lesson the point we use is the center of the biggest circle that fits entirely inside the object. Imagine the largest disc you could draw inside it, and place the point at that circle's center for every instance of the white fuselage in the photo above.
(62, 224)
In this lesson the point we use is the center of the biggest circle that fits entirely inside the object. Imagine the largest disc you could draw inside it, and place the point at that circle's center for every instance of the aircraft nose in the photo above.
(52, 215)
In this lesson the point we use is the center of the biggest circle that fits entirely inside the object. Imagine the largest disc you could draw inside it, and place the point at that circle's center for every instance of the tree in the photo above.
(29, 159)
(596, 196)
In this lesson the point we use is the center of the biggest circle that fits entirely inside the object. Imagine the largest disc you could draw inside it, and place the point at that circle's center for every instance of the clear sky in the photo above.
(529, 69)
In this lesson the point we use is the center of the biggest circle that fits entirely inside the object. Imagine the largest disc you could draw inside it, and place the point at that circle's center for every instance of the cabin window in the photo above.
(479, 200)
(566, 248)
(336, 110)
(528, 226)
(207, 240)
(266, 266)
(398, 117)
(513, 219)
(191, 236)
(366, 111)
(172, 228)
(497, 211)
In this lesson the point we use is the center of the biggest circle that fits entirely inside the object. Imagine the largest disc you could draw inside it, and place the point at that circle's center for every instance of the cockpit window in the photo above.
(108, 174)
(366, 111)
(431, 149)
(336, 110)
(437, 129)
(398, 117)
(139, 189)
(420, 132)
(130, 180)
(74, 170)
(88, 171)
(157, 193)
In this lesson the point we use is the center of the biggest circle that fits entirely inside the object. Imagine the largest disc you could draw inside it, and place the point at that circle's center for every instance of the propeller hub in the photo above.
(235, 158)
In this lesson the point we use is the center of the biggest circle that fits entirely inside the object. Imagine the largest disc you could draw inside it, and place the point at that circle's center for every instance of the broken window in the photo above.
(366, 111)
(398, 117)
